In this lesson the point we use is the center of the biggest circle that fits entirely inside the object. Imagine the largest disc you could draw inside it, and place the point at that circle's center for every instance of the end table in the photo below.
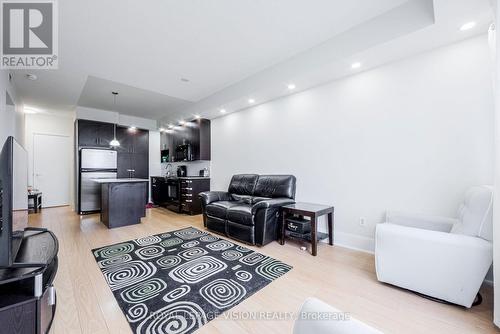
(313, 211)
(36, 196)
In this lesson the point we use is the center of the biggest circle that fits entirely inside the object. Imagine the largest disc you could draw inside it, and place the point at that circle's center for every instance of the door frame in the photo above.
(34, 162)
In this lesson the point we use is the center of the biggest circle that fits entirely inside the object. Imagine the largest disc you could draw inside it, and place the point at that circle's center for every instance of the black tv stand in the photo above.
(27, 296)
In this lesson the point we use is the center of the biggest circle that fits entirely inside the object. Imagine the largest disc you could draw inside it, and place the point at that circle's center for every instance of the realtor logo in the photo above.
(29, 34)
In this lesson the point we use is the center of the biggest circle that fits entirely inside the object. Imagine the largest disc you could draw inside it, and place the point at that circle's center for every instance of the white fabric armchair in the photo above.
(444, 258)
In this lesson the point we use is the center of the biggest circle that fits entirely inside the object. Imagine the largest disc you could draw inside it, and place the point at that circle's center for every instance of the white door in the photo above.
(51, 170)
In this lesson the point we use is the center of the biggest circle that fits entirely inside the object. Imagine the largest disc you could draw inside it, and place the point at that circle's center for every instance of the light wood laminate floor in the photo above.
(341, 277)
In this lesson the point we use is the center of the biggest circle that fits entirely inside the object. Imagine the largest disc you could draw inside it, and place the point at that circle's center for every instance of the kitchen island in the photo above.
(123, 201)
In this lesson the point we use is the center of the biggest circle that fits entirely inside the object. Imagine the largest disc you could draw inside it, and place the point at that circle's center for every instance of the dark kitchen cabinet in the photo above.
(196, 133)
(201, 140)
(133, 165)
(133, 153)
(125, 164)
(94, 134)
(159, 191)
(141, 165)
(190, 188)
(132, 141)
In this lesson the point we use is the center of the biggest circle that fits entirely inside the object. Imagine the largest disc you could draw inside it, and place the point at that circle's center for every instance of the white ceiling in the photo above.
(229, 50)
(130, 100)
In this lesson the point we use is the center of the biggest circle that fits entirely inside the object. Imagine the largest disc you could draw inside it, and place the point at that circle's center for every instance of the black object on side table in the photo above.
(27, 296)
(313, 211)
(36, 196)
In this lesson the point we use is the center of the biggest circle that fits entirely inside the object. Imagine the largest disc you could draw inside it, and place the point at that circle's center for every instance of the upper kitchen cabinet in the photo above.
(195, 133)
(132, 140)
(133, 152)
(201, 140)
(94, 134)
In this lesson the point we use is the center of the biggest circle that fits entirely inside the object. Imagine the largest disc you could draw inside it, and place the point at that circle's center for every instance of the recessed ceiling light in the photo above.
(197, 116)
(251, 101)
(31, 77)
(162, 129)
(222, 111)
(291, 86)
(467, 26)
(30, 110)
(182, 122)
(171, 126)
(356, 65)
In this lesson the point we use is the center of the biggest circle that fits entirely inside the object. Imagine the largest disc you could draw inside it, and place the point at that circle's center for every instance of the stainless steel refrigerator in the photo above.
(94, 164)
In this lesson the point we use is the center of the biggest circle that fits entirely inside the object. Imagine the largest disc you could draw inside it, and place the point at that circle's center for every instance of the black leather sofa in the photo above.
(249, 210)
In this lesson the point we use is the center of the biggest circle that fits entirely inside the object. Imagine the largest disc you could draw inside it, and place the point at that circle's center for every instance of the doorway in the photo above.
(51, 168)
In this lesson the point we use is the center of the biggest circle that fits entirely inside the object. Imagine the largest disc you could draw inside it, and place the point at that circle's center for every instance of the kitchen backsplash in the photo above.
(193, 167)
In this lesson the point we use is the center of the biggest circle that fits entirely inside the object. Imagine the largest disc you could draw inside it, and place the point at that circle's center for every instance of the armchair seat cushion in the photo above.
(241, 214)
(219, 209)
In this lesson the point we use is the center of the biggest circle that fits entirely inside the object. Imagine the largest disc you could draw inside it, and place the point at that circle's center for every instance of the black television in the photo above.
(13, 199)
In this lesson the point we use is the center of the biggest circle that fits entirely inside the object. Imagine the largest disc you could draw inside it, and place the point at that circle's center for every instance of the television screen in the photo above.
(13, 199)
(19, 188)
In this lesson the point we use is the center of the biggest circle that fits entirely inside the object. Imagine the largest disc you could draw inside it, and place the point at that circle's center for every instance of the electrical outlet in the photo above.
(362, 221)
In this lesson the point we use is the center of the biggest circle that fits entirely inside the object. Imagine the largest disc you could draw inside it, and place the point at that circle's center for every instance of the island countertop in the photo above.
(124, 180)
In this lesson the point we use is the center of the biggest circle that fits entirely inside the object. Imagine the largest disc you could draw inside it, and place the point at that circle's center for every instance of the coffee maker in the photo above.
(182, 171)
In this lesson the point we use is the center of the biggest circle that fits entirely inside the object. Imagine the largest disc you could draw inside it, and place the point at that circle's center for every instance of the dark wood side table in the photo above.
(36, 196)
(313, 211)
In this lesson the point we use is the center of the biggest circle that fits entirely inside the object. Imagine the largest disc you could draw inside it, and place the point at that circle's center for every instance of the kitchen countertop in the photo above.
(185, 177)
(125, 180)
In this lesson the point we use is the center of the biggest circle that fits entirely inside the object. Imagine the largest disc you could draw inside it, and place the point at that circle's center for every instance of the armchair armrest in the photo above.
(208, 197)
(426, 222)
(271, 203)
(443, 265)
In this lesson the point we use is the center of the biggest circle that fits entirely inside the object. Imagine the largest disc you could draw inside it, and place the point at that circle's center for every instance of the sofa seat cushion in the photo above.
(216, 224)
(240, 214)
(241, 232)
(219, 209)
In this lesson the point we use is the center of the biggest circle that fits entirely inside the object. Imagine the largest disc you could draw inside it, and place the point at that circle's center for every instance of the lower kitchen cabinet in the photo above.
(189, 191)
(179, 194)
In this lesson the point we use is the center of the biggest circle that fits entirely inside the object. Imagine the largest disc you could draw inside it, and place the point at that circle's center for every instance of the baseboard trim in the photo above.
(353, 241)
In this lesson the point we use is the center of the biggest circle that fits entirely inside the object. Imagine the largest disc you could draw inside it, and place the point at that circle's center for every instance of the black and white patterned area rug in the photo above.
(176, 282)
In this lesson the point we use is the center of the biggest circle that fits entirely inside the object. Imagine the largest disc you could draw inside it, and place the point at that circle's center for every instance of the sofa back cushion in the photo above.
(475, 213)
(243, 184)
(273, 186)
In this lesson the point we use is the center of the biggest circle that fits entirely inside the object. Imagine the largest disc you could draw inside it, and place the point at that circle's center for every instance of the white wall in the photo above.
(193, 167)
(116, 118)
(154, 155)
(411, 136)
(495, 51)
(56, 125)
(11, 120)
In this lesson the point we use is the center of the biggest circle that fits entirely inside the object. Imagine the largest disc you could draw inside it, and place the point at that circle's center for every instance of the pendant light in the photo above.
(114, 142)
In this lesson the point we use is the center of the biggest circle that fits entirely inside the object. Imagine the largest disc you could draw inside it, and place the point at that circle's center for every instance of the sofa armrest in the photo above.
(271, 203)
(426, 222)
(208, 197)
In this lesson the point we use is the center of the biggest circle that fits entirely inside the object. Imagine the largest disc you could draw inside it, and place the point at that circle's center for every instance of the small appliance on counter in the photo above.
(204, 172)
(182, 171)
